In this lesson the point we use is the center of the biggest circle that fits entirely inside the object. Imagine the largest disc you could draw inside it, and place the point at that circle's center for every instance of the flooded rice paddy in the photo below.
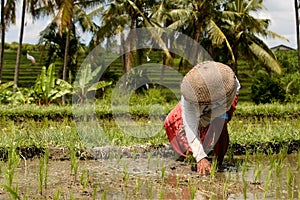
(139, 173)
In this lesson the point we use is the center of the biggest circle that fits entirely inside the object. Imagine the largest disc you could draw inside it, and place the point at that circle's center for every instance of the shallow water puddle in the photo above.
(156, 176)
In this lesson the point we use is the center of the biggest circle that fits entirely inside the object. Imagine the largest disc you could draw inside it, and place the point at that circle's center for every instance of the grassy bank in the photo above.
(253, 127)
(103, 109)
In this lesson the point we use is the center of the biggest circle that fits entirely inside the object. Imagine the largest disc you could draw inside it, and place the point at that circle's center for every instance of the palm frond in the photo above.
(254, 5)
(232, 15)
(177, 14)
(96, 12)
(263, 56)
(177, 25)
(153, 32)
(10, 12)
(218, 37)
(274, 35)
(159, 14)
(64, 15)
(84, 19)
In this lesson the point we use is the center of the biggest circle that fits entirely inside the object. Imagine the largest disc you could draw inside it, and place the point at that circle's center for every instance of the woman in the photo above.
(198, 123)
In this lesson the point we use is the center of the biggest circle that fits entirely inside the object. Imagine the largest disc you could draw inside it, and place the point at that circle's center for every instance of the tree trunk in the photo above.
(66, 58)
(3, 27)
(297, 30)
(16, 76)
(235, 53)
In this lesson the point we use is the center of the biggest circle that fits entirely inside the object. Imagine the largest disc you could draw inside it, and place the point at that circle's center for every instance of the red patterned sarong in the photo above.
(175, 130)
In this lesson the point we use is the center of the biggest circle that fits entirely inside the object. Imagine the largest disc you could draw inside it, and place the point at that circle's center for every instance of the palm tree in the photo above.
(120, 15)
(2, 37)
(115, 18)
(16, 76)
(243, 30)
(67, 11)
(297, 29)
(193, 18)
(31, 6)
(8, 16)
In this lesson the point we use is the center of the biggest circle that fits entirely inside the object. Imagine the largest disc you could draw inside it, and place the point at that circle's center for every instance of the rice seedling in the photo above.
(43, 171)
(298, 161)
(95, 186)
(244, 170)
(12, 191)
(279, 166)
(230, 154)
(161, 193)
(193, 191)
(26, 196)
(225, 186)
(157, 163)
(9, 173)
(163, 173)
(46, 159)
(293, 187)
(177, 182)
(189, 159)
(150, 189)
(71, 195)
(111, 156)
(138, 185)
(269, 176)
(103, 197)
(84, 179)
(125, 175)
(257, 172)
(245, 188)
(41, 175)
(289, 176)
(298, 189)
(213, 170)
(134, 154)
(12, 163)
(74, 161)
(57, 194)
(149, 159)
(290, 181)
(118, 158)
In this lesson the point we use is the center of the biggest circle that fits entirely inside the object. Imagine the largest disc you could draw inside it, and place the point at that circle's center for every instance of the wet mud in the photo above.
(149, 173)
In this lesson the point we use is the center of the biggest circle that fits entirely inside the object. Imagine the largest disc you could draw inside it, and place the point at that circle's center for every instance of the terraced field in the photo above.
(29, 72)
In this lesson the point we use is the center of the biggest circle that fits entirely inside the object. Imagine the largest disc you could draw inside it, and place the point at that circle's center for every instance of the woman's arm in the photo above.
(191, 117)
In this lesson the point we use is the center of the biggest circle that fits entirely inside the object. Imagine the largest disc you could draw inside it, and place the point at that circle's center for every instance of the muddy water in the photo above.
(155, 175)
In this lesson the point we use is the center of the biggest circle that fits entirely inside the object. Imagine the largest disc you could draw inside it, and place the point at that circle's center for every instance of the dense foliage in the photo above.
(268, 87)
(226, 29)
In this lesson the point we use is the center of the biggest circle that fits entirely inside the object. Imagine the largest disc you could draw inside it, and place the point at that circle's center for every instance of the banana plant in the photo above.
(85, 83)
(49, 88)
(5, 93)
(6, 85)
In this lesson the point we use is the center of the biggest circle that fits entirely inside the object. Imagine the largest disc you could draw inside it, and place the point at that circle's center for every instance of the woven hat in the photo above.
(209, 82)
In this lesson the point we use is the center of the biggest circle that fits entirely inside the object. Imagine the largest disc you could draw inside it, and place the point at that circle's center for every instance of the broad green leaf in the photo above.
(6, 85)
(99, 85)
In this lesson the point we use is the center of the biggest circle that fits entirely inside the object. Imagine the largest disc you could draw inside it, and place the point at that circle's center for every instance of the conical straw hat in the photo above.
(209, 82)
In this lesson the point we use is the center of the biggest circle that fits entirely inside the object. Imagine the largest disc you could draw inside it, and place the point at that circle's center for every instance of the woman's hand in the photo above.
(203, 166)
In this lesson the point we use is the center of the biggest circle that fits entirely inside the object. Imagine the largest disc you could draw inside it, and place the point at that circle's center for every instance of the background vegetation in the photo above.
(225, 28)
(44, 90)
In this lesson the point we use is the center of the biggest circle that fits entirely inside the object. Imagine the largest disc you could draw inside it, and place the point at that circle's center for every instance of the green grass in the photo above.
(140, 105)
(253, 126)
(264, 132)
